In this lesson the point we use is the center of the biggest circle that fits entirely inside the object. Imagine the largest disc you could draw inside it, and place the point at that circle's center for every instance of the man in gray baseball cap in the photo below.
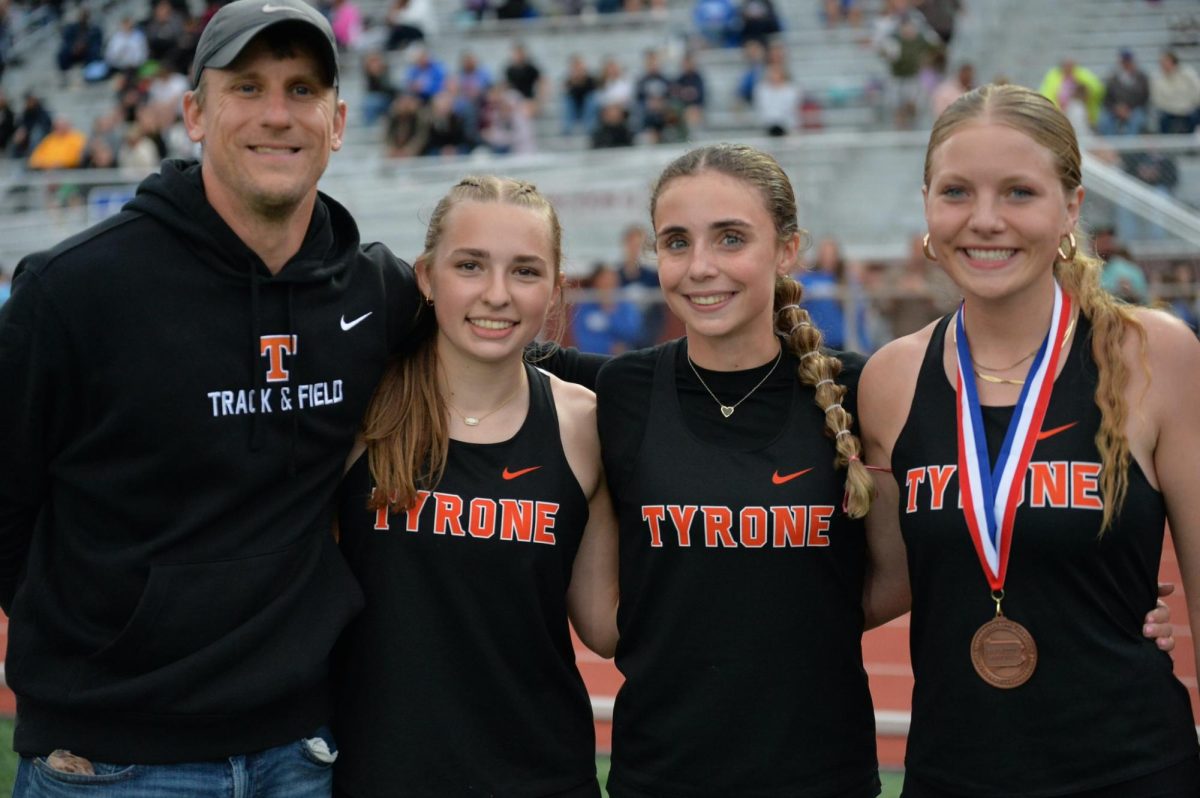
(166, 558)
(236, 25)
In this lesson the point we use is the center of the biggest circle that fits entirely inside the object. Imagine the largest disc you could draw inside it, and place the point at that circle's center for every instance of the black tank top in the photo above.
(459, 677)
(741, 612)
(1103, 706)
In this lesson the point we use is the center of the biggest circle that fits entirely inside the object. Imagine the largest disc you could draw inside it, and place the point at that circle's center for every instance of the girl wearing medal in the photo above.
(1039, 438)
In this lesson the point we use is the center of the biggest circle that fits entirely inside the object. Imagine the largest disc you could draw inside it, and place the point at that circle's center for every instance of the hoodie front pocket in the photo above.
(187, 608)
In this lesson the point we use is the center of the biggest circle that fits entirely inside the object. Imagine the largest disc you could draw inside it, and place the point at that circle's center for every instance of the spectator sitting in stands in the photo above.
(166, 89)
(579, 97)
(425, 75)
(716, 22)
(776, 102)
(612, 130)
(472, 84)
(1123, 278)
(604, 321)
(508, 127)
(8, 121)
(32, 125)
(615, 87)
(651, 85)
(447, 130)
(407, 127)
(5, 37)
(82, 44)
(522, 74)
(1076, 112)
(409, 21)
(515, 9)
(639, 284)
(904, 40)
(1178, 290)
(835, 12)
(824, 283)
(1175, 93)
(1059, 84)
(61, 148)
(138, 151)
(99, 154)
(754, 56)
(127, 49)
(1126, 99)
(952, 88)
(688, 91)
(378, 91)
(346, 19)
(165, 31)
(757, 19)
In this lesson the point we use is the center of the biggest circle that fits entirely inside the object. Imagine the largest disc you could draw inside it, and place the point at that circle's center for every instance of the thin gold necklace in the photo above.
(727, 410)
(473, 421)
(992, 378)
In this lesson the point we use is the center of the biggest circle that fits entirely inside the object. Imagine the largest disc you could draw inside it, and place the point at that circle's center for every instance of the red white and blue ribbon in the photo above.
(990, 495)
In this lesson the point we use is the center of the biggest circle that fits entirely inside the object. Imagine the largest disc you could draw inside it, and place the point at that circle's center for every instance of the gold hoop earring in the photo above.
(1067, 257)
(928, 250)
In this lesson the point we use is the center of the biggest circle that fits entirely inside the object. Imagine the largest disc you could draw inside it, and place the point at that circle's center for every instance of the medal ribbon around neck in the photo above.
(990, 496)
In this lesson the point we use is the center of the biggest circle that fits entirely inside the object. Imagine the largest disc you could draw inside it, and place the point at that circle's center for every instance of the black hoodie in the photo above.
(174, 424)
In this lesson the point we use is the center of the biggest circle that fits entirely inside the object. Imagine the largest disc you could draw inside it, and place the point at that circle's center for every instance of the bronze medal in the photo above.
(1003, 653)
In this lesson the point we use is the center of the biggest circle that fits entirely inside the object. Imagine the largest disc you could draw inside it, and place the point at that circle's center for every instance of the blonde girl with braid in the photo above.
(476, 518)
(1030, 594)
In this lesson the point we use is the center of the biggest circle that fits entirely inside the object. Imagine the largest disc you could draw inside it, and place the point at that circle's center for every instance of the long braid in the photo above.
(821, 371)
(1080, 277)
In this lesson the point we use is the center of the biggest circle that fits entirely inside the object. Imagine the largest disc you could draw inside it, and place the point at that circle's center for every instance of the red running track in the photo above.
(885, 654)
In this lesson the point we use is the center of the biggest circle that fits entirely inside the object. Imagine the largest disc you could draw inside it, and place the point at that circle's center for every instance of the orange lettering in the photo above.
(448, 515)
(414, 513)
(274, 347)
(516, 520)
(1048, 484)
(912, 479)
(482, 519)
(1084, 482)
(545, 522)
(818, 525)
(717, 523)
(752, 525)
(939, 480)
(682, 518)
(653, 516)
(790, 525)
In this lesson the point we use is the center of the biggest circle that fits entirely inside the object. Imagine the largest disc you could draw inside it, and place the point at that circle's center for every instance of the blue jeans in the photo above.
(302, 769)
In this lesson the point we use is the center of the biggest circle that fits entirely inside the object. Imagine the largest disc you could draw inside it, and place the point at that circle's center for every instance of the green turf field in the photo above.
(8, 766)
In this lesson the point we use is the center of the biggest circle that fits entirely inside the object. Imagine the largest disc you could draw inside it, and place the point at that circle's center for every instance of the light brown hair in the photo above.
(406, 429)
(792, 322)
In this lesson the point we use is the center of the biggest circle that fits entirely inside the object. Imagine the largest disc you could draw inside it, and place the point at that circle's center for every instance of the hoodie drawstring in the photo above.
(256, 433)
(296, 406)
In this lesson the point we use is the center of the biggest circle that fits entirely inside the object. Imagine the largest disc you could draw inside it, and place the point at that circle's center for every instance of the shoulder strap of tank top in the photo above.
(931, 366)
